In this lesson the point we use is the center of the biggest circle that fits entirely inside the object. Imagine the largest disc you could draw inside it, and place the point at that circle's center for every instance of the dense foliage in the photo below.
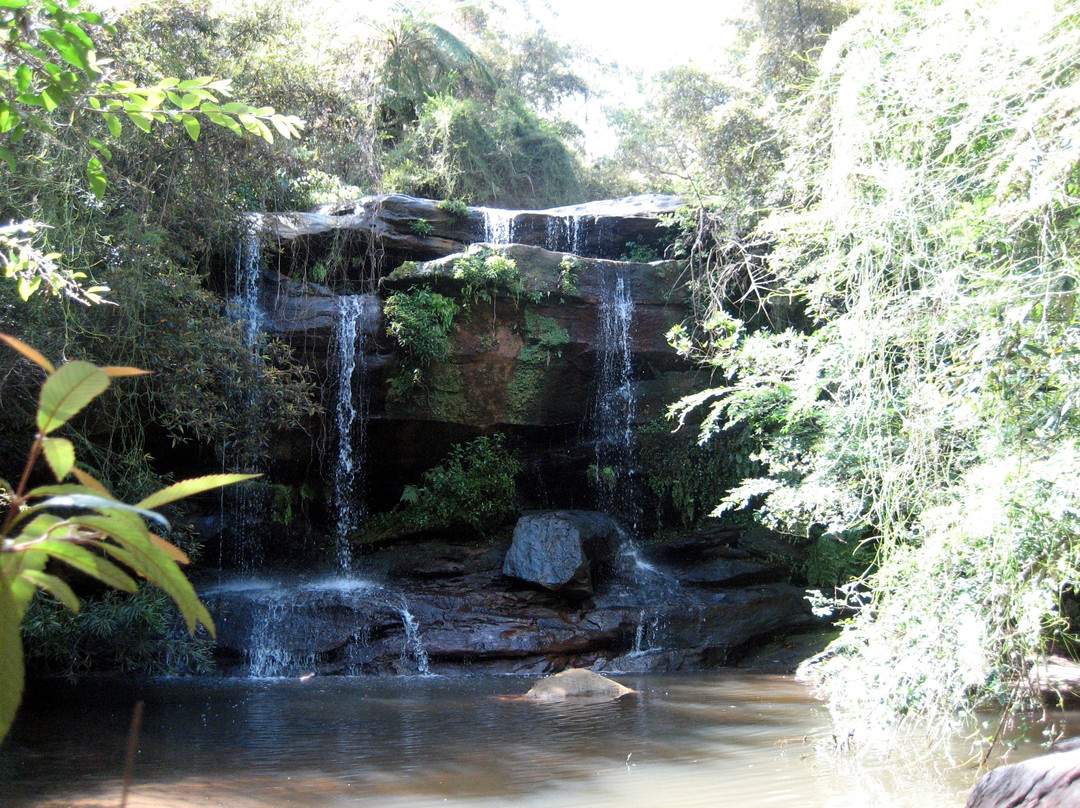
(925, 408)
(472, 486)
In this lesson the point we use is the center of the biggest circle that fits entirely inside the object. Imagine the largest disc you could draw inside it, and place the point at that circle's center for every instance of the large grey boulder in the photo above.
(1047, 781)
(561, 550)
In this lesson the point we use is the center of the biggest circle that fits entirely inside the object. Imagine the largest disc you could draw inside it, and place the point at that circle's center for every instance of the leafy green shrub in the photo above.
(454, 208)
(117, 631)
(421, 227)
(420, 321)
(640, 253)
(484, 273)
(473, 485)
(686, 475)
(569, 269)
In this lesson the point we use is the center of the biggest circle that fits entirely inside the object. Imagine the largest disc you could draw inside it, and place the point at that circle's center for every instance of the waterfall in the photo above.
(350, 422)
(282, 629)
(247, 504)
(414, 642)
(498, 225)
(566, 234)
(614, 407)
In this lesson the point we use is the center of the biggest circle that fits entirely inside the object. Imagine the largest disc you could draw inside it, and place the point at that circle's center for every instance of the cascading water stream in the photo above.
(245, 306)
(498, 225)
(566, 234)
(615, 404)
(350, 421)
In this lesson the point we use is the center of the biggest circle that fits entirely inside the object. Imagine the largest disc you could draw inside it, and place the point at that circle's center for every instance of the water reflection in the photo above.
(703, 740)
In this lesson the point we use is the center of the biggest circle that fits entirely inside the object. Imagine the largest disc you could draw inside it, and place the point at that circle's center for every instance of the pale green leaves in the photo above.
(67, 391)
(81, 525)
(11, 659)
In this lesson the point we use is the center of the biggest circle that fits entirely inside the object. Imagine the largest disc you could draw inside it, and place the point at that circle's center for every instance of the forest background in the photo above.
(880, 230)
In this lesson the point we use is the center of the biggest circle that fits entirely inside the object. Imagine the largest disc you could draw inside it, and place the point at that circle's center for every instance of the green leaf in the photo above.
(140, 553)
(24, 77)
(226, 121)
(192, 125)
(52, 97)
(54, 586)
(7, 157)
(141, 120)
(60, 455)
(99, 144)
(88, 563)
(95, 173)
(192, 84)
(11, 659)
(189, 101)
(27, 287)
(187, 488)
(75, 33)
(67, 391)
(115, 127)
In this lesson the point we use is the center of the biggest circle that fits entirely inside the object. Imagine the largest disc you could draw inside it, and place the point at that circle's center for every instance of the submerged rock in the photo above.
(577, 683)
(560, 550)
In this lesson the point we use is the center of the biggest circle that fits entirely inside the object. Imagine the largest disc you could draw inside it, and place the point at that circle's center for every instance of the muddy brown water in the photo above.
(719, 739)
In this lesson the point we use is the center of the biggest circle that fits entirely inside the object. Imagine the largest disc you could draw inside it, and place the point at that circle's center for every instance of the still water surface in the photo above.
(722, 739)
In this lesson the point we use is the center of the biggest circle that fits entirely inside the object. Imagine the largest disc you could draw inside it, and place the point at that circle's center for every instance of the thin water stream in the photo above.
(722, 739)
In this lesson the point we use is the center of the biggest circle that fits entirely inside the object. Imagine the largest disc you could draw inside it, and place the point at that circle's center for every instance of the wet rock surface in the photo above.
(467, 617)
(1047, 781)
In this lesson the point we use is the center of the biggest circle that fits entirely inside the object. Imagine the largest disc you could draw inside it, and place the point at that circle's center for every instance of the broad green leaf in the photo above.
(14, 566)
(71, 50)
(189, 101)
(192, 125)
(11, 659)
(88, 563)
(7, 157)
(30, 353)
(24, 77)
(236, 108)
(95, 173)
(35, 529)
(27, 287)
(281, 126)
(226, 121)
(51, 98)
(113, 122)
(187, 488)
(13, 4)
(191, 84)
(141, 120)
(54, 586)
(74, 32)
(67, 391)
(60, 455)
(60, 489)
(168, 81)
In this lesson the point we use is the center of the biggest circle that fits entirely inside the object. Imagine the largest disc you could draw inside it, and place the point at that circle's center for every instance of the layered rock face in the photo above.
(527, 355)
(524, 363)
